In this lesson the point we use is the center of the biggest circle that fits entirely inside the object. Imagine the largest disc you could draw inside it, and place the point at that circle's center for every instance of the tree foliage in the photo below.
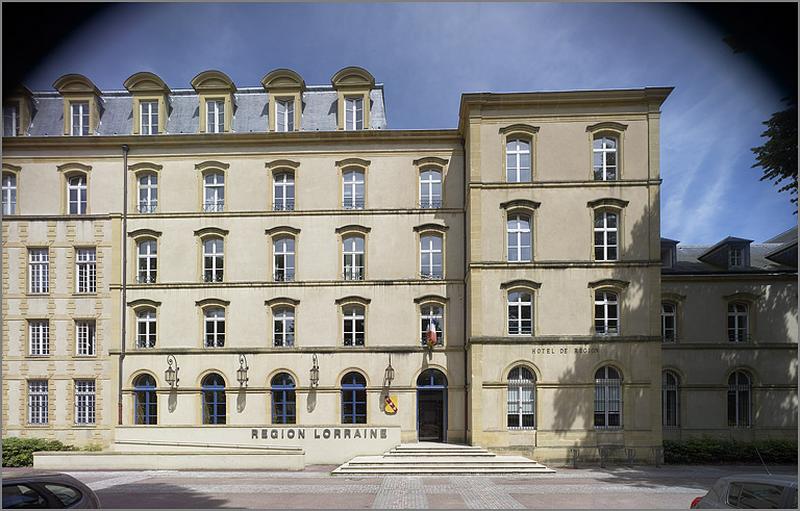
(777, 157)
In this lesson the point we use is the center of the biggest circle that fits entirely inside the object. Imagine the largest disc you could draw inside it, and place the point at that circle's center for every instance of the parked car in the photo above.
(53, 490)
(750, 491)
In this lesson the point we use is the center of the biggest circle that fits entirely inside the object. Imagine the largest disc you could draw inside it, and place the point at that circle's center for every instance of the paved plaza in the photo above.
(620, 487)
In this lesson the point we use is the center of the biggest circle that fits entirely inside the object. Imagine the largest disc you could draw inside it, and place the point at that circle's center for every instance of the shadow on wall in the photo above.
(571, 415)
(158, 496)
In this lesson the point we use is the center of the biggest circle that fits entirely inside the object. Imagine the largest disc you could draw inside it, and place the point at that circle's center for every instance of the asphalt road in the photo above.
(671, 487)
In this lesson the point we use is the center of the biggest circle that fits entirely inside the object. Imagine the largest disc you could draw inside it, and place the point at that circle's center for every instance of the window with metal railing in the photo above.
(607, 398)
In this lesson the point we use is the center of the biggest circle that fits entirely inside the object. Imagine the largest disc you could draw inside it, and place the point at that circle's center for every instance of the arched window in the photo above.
(737, 322)
(147, 261)
(146, 328)
(432, 319)
(283, 257)
(283, 326)
(353, 252)
(519, 238)
(214, 327)
(606, 313)
(145, 400)
(520, 313)
(284, 410)
(431, 256)
(605, 236)
(9, 193)
(518, 161)
(353, 189)
(430, 189)
(213, 259)
(739, 399)
(214, 191)
(354, 399)
(214, 407)
(521, 398)
(604, 150)
(283, 192)
(668, 322)
(431, 378)
(76, 194)
(607, 398)
(670, 410)
(353, 328)
(148, 192)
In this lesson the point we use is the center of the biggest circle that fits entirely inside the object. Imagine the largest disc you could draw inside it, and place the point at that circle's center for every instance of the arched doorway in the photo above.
(432, 406)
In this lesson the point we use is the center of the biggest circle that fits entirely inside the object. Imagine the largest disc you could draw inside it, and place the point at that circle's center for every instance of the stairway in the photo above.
(432, 458)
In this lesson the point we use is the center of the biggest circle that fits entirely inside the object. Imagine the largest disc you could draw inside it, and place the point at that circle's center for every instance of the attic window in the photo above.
(735, 257)
(667, 257)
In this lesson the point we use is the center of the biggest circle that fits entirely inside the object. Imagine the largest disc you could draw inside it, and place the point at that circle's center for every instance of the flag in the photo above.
(431, 334)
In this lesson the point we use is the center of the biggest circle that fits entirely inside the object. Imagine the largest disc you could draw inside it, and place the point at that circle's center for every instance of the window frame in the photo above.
(149, 273)
(355, 389)
(84, 115)
(519, 152)
(607, 383)
(85, 270)
(286, 202)
(357, 102)
(349, 255)
(217, 189)
(441, 331)
(605, 229)
(284, 272)
(38, 402)
(85, 342)
(516, 215)
(666, 389)
(283, 395)
(287, 103)
(359, 313)
(81, 191)
(150, 203)
(85, 402)
(426, 187)
(665, 338)
(14, 108)
(39, 271)
(738, 333)
(150, 395)
(519, 304)
(429, 273)
(356, 202)
(153, 113)
(607, 129)
(146, 327)
(41, 339)
(742, 419)
(214, 326)
(219, 112)
(10, 192)
(218, 402)
(519, 132)
(215, 272)
(606, 302)
(520, 384)
(287, 337)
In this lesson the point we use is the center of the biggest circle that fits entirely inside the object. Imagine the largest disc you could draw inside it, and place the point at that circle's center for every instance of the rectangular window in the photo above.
(84, 401)
(283, 192)
(606, 313)
(37, 402)
(11, 120)
(353, 326)
(518, 161)
(353, 189)
(213, 260)
(283, 327)
(284, 115)
(79, 110)
(353, 252)
(605, 236)
(86, 270)
(215, 327)
(148, 262)
(77, 194)
(146, 329)
(735, 258)
(607, 403)
(431, 260)
(284, 259)
(39, 270)
(148, 112)
(518, 229)
(354, 114)
(748, 495)
(39, 337)
(85, 338)
(430, 189)
(148, 193)
(9, 193)
(215, 120)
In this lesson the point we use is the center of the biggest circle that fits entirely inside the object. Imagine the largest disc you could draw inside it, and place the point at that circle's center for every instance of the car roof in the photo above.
(783, 479)
(34, 475)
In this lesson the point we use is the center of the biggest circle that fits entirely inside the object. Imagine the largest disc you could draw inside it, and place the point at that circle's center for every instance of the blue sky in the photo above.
(428, 54)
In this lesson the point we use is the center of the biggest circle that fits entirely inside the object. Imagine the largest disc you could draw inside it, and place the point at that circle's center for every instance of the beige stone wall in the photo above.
(62, 307)
(703, 357)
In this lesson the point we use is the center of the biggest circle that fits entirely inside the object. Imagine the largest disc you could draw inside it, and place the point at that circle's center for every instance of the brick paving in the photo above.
(621, 487)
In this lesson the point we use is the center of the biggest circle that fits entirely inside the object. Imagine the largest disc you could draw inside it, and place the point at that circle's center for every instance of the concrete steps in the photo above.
(430, 458)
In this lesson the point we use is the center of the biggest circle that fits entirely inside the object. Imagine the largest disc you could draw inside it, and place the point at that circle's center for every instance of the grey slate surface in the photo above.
(183, 111)
(687, 260)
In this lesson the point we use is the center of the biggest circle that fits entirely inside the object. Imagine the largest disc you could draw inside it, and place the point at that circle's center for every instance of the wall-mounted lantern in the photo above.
(171, 375)
(241, 373)
(314, 371)
(388, 376)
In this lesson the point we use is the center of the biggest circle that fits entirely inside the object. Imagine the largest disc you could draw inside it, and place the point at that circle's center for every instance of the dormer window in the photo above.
(354, 114)
(735, 257)
(284, 115)
(148, 115)
(215, 120)
(11, 120)
(79, 113)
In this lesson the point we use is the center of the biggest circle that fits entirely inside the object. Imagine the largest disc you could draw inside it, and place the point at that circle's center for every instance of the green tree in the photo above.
(777, 157)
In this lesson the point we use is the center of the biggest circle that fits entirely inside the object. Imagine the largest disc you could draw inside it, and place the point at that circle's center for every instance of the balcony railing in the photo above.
(147, 207)
(430, 203)
(355, 203)
(435, 275)
(739, 337)
(211, 277)
(353, 273)
(213, 207)
(144, 278)
(606, 331)
(283, 276)
(668, 337)
(287, 205)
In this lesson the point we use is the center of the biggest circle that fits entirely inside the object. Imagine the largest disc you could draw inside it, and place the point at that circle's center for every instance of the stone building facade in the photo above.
(284, 261)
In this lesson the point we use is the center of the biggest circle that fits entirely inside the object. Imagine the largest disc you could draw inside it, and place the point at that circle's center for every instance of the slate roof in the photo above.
(688, 257)
(249, 115)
